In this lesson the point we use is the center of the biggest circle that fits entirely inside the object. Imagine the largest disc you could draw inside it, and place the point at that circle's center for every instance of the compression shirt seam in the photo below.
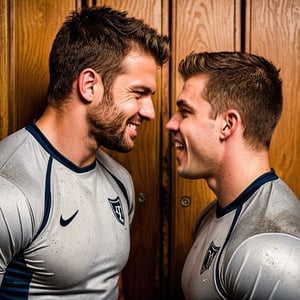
(260, 235)
(47, 198)
(120, 185)
(220, 288)
(25, 199)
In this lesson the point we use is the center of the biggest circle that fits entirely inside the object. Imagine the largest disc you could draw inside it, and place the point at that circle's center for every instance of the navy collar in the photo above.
(246, 194)
(45, 143)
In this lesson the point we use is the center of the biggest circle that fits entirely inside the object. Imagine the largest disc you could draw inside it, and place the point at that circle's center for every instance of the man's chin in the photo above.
(186, 173)
(121, 148)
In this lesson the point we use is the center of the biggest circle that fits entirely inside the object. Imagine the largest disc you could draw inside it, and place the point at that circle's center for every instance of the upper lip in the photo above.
(137, 121)
(131, 123)
(178, 142)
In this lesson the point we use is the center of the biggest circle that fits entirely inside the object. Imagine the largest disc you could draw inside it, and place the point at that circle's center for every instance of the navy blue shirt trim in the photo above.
(34, 130)
(247, 193)
(237, 205)
(241, 199)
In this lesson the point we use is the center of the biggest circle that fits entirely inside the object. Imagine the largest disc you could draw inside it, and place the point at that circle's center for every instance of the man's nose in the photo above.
(173, 123)
(147, 109)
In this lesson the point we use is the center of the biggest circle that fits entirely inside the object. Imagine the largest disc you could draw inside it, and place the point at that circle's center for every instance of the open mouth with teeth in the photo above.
(179, 146)
(132, 126)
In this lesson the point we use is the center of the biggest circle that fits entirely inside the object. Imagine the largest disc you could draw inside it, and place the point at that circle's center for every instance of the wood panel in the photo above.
(142, 275)
(273, 31)
(4, 71)
(196, 26)
(33, 28)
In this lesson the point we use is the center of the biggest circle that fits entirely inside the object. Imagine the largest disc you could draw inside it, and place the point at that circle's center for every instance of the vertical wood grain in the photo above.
(4, 71)
(273, 31)
(196, 26)
(33, 29)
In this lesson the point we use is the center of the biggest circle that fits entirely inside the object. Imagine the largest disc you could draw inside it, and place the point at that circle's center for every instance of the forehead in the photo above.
(193, 89)
(139, 69)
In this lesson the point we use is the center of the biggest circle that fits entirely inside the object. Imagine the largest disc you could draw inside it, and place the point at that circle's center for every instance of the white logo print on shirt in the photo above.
(117, 209)
(209, 257)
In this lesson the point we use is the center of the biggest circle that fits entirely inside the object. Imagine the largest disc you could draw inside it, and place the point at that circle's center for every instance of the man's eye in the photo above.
(183, 112)
(139, 94)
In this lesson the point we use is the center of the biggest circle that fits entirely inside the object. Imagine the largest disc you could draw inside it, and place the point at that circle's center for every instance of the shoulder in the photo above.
(21, 185)
(272, 209)
(18, 151)
(263, 265)
(112, 165)
(14, 140)
(10, 144)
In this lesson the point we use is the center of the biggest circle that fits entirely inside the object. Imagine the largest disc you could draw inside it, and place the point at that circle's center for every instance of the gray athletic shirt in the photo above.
(64, 230)
(248, 250)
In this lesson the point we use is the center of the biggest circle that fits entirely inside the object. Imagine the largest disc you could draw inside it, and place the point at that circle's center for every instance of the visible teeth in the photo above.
(132, 126)
(179, 146)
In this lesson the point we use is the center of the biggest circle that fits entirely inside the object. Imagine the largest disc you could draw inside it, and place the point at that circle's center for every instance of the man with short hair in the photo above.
(66, 206)
(247, 242)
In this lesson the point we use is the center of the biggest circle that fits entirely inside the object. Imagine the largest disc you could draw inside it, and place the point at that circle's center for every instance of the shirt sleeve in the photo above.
(16, 223)
(265, 266)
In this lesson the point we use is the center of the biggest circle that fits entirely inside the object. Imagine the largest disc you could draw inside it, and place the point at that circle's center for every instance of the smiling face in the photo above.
(114, 120)
(196, 134)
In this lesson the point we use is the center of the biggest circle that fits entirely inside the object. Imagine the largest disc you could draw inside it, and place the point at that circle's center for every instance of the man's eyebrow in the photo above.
(181, 103)
(144, 89)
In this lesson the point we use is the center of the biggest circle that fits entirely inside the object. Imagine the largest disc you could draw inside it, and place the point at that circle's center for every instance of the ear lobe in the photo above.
(231, 120)
(86, 82)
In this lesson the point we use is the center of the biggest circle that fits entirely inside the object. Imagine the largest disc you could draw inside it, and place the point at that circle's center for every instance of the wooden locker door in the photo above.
(31, 32)
(273, 31)
(141, 276)
(196, 26)
(4, 67)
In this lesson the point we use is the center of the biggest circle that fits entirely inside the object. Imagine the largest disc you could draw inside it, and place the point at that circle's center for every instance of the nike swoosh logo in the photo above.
(64, 222)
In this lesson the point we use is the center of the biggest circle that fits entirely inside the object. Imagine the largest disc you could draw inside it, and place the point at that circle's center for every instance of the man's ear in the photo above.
(87, 80)
(231, 120)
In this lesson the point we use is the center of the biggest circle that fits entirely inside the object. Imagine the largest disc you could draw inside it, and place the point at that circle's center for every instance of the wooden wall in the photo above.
(4, 68)
(167, 206)
(27, 29)
(273, 30)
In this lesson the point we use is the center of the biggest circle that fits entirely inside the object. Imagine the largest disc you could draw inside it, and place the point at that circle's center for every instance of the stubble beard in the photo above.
(105, 125)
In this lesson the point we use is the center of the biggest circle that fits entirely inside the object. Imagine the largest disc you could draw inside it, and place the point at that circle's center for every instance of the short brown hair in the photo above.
(99, 38)
(246, 82)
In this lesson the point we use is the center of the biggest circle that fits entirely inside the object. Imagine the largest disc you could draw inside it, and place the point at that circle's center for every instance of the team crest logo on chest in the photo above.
(117, 209)
(209, 257)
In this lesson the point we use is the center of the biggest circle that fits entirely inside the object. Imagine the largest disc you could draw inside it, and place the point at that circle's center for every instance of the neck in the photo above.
(67, 131)
(237, 172)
